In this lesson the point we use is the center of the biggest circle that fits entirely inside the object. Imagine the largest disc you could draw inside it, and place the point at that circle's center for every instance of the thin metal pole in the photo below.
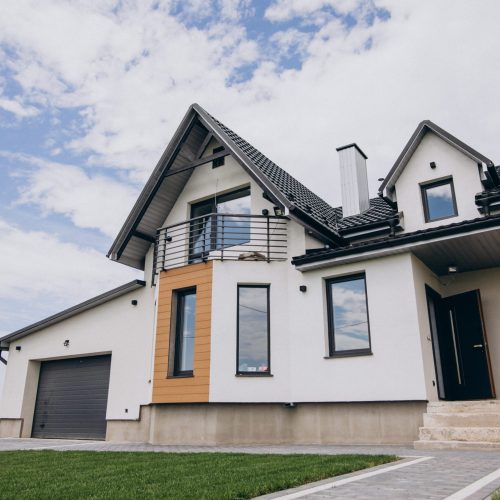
(268, 242)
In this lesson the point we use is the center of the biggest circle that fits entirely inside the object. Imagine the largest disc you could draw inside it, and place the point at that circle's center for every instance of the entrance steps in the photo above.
(461, 425)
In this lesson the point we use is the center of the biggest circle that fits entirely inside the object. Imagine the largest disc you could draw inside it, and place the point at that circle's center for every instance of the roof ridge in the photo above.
(249, 150)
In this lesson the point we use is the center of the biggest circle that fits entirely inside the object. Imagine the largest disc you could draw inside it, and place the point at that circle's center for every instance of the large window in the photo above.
(253, 330)
(348, 325)
(210, 230)
(184, 321)
(438, 199)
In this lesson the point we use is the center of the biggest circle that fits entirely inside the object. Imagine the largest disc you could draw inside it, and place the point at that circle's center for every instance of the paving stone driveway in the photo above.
(437, 478)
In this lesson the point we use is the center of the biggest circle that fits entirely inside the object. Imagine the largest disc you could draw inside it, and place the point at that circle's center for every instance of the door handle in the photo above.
(477, 346)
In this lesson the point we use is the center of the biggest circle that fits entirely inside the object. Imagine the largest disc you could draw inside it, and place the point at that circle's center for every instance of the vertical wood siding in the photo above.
(188, 389)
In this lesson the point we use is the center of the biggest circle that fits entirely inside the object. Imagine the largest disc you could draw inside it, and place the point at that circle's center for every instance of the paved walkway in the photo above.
(443, 474)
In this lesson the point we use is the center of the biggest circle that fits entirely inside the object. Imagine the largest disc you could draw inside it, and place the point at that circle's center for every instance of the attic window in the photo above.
(438, 199)
(218, 162)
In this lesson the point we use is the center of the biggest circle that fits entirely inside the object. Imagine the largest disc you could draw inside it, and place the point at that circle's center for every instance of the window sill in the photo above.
(348, 354)
(181, 375)
(427, 221)
(253, 374)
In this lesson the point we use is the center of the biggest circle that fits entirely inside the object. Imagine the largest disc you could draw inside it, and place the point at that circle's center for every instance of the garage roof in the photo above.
(72, 311)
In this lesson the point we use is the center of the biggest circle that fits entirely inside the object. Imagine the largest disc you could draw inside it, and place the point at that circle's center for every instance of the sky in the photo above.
(91, 92)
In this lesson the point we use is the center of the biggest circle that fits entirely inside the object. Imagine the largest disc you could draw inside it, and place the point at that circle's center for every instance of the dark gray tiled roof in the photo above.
(379, 211)
(304, 198)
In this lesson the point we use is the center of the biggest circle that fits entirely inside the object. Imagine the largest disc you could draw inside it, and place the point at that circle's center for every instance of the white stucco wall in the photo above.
(225, 386)
(116, 327)
(449, 162)
(206, 181)
(393, 372)
(423, 276)
(301, 373)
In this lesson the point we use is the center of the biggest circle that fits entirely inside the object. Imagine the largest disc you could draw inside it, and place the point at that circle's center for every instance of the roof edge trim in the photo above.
(73, 311)
(456, 228)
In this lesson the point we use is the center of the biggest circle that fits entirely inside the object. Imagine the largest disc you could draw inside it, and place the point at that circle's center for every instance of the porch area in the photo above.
(462, 297)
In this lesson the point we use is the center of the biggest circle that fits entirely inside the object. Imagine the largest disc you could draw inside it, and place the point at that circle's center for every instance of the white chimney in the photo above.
(353, 180)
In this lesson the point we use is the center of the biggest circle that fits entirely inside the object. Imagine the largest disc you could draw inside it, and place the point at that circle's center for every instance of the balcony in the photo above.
(221, 237)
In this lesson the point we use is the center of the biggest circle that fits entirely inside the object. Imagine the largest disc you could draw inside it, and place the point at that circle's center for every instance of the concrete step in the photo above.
(455, 445)
(476, 406)
(462, 419)
(482, 434)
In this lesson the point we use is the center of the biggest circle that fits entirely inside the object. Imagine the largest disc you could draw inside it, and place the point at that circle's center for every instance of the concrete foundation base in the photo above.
(240, 424)
(131, 431)
(11, 427)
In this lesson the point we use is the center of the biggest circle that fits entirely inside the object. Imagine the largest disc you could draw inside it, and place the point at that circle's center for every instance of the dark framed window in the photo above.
(209, 232)
(348, 321)
(218, 162)
(438, 199)
(253, 331)
(184, 305)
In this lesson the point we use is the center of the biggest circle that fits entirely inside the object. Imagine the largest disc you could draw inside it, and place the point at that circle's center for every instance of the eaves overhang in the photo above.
(72, 311)
(395, 244)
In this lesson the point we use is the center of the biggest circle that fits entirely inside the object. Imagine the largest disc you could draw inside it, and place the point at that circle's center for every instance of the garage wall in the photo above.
(116, 328)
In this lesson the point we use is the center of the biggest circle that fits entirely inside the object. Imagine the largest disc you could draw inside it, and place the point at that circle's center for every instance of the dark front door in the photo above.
(460, 346)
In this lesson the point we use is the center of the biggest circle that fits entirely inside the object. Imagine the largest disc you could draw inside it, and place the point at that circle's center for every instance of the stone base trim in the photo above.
(272, 423)
(131, 431)
(11, 427)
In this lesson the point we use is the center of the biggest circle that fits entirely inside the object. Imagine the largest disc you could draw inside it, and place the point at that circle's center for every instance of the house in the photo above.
(265, 315)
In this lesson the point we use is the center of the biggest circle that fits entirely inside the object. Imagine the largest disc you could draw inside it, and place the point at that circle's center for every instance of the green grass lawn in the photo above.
(82, 474)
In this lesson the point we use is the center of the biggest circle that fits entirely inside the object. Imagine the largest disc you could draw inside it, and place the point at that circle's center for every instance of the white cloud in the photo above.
(291, 41)
(89, 201)
(284, 10)
(134, 71)
(70, 274)
(17, 108)
(236, 9)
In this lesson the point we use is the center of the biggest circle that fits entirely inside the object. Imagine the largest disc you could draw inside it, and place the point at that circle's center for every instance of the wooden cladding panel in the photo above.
(184, 389)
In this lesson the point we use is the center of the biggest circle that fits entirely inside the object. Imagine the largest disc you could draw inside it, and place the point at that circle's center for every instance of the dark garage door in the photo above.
(72, 397)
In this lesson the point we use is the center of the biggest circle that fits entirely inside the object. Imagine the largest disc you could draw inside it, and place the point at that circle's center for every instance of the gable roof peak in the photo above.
(415, 140)
(159, 194)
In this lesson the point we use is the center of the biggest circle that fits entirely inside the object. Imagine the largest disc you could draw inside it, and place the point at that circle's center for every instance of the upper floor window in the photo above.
(253, 330)
(348, 324)
(438, 199)
(209, 229)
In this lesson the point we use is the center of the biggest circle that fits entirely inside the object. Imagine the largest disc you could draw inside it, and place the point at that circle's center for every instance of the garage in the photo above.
(72, 397)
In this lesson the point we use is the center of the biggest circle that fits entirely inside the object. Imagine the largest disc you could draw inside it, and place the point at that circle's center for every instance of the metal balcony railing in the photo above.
(221, 237)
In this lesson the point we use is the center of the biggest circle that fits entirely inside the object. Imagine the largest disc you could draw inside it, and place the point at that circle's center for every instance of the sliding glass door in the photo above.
(210, 230)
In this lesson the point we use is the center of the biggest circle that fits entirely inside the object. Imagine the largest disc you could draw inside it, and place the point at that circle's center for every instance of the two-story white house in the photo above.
(268, 316)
